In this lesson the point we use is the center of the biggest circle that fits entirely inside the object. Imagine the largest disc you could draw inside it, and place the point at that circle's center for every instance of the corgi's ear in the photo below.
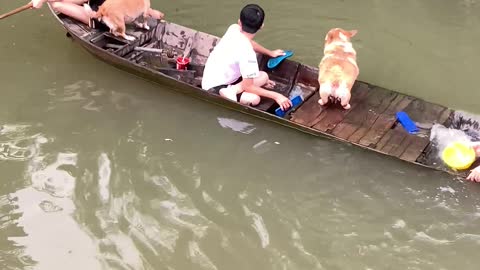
(352, 33)
(328, 37)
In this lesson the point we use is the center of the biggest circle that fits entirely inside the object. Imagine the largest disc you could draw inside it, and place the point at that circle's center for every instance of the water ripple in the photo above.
(198, 257)
(259, 226)
(16, 143)
(53, 238)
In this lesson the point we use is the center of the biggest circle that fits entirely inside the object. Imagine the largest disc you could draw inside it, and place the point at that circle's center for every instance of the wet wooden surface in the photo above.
(371, 121)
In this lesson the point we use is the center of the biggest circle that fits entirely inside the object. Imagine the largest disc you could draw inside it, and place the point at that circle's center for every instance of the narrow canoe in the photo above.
(370, 124)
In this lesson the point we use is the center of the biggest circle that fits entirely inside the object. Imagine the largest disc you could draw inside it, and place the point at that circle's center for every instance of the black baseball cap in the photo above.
(252, 17)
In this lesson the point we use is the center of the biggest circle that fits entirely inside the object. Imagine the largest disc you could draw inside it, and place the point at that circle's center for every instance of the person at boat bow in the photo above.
(475, 173)
(232, 67)
(71, 8)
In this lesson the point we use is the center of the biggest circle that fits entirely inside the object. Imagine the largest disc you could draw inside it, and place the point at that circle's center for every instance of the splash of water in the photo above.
(464, 127)
(443, 136)
(468, 123)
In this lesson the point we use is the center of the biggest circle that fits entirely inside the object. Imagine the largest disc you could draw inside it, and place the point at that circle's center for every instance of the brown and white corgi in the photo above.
(338, 68)
(116, 13)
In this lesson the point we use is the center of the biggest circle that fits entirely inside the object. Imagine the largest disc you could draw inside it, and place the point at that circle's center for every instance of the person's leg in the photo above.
(78, 2)
(73, 10)
(249, 99)
(262, 79)
(232, 91)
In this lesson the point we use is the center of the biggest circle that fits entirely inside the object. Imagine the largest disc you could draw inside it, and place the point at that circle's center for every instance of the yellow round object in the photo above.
(458, 156)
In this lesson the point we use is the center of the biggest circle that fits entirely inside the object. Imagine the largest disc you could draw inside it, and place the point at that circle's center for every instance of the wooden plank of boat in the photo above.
(385, 121)
(370, 123)
(364, 116)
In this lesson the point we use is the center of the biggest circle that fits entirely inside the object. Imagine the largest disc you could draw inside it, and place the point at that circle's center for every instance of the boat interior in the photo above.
(158, 48)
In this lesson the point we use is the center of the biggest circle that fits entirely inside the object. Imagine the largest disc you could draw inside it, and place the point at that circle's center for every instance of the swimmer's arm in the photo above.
(476, 147)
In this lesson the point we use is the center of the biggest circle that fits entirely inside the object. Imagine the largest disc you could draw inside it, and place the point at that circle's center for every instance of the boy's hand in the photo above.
(276, 53)
(283, 102)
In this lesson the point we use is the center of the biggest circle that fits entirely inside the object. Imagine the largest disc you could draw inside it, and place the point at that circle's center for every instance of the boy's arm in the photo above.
(260, 49)
(250, 87)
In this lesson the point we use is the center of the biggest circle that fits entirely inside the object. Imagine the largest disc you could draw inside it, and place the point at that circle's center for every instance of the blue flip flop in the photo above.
(295, 102)
(273, 62)
(406, 122)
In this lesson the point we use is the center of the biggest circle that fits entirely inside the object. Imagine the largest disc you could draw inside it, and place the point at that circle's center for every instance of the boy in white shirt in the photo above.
(232, 66)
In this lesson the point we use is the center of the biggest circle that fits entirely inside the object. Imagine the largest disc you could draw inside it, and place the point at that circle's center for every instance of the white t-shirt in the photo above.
(231, 58)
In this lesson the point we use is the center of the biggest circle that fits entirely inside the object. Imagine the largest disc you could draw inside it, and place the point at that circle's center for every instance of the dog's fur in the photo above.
(116, 13)
(338, 68)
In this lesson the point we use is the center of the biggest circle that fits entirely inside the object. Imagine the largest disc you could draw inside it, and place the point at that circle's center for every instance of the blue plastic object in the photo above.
(273, 62)
(295, 102)
(406, 122)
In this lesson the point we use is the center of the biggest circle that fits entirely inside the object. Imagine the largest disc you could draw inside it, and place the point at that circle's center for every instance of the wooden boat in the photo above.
(371, 122)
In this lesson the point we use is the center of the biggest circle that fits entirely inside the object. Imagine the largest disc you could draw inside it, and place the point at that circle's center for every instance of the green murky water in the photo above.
(102, 170)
